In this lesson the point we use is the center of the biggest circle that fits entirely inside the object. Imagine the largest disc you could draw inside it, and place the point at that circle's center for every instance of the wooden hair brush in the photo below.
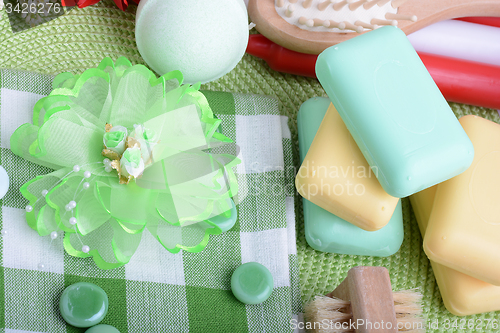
(310, 26)
(364, 302)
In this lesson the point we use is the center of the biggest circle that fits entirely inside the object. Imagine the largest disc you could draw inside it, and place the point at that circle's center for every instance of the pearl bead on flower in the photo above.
(4, 232)
(85, 249)
(41, 266)
(29, 208)
(87, 174)
(45, 192)
(76, 168)
(107, 165)
(72, 220)
(71, 205)
(53, 234)
(86, 186)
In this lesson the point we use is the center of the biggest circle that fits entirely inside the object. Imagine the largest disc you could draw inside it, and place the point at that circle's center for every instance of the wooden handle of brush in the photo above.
(431, 11)
(273, 26)
(370, 293)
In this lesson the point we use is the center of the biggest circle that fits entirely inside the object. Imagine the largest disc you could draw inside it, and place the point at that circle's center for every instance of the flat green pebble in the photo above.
(252, 283)
(102, 329)
(83, 304)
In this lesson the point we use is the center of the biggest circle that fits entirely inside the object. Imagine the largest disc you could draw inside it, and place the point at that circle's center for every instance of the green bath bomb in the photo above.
(204, 39)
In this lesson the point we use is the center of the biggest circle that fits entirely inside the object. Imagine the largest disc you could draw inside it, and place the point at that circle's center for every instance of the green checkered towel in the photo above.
(158, 291)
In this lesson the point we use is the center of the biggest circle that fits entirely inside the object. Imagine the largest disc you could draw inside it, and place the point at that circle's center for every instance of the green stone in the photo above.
(102, 329)
(83, 304)
(252, 283)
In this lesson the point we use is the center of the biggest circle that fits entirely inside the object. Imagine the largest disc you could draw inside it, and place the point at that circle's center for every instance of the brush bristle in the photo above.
(325, 310)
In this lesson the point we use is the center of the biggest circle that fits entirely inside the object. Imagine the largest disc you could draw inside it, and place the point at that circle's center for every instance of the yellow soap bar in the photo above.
(462, 294)
(335, 176)
(464, 226)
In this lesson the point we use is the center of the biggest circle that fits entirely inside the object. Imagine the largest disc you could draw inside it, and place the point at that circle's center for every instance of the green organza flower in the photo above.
(130, 151)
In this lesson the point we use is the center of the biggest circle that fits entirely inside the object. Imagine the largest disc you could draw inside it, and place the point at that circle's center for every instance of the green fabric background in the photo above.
(81, 38)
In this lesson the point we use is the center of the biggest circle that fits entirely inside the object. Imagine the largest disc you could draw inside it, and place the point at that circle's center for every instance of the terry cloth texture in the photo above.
(158, 291)
(81, 38)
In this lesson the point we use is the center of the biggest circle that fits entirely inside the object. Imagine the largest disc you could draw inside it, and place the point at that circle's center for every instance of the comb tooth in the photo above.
(307, 22)
(289, 10)
(341, 4)
(334, 24)
(280, 3)
(392, 16)
(365, 25)
(370, 4)
(306, 3)
(353, 27)
(384, 22)
(356, 5)
(322, 6)
(319, 22)
(397, 3)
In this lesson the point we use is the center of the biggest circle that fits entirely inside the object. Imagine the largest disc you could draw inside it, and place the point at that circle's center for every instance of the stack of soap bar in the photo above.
(335, 176)
(462, 294)
(464, 227)
(325, 231)
(394, 110)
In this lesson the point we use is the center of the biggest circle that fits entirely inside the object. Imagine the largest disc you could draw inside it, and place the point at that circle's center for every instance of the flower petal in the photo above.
(128, 203)
(34, 191)
(65, 141)
(65, 80)
(132, 97)
(46, 221)
(92, 97)
(191, 238)
(110, 246)
(47, 106)
(89, 213)
(21, 141)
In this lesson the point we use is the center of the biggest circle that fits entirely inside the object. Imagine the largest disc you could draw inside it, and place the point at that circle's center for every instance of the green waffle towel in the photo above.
(81, 38)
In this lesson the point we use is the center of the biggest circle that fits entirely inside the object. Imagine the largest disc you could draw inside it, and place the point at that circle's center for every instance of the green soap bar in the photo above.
(226, 223)
(327, 232)
(83, 304)
(252, 283)
(395, 112)
(102, 329)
